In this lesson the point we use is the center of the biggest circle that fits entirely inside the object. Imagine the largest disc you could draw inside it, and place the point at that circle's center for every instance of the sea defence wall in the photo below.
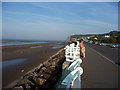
(44, 76)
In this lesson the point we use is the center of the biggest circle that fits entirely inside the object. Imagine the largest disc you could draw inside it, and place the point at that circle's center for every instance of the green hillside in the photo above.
(114, 37)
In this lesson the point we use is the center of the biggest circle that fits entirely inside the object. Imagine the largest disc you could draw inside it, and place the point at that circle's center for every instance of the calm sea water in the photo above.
(18, 42)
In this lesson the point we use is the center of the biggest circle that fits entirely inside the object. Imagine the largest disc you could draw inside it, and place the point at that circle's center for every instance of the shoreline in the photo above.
(35, 57)
(17, 50)
(30, 71)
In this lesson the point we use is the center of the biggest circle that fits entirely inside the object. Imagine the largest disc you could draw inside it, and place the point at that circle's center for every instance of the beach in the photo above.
(17, 60)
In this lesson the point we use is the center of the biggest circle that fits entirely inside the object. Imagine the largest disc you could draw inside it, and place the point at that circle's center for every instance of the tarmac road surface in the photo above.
(100, 67)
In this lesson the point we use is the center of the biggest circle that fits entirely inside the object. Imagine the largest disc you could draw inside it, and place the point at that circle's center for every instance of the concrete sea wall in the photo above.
(44, 76)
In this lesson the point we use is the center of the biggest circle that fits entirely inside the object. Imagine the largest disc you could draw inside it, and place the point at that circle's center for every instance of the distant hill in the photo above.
(81, 35)
(115, 33)
(112, 33)
(114, 37)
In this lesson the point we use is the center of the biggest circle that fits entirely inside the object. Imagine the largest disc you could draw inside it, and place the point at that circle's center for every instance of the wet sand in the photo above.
(30, 56)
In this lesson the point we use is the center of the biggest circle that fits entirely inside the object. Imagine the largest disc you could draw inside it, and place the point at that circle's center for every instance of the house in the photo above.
(107, 36)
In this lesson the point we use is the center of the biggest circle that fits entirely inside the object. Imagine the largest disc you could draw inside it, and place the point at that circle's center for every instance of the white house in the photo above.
(107, 36)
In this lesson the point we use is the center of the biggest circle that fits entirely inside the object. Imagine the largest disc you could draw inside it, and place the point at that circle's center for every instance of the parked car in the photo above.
(102, 44)
(96, 43)
(91, 42)
(115, 46)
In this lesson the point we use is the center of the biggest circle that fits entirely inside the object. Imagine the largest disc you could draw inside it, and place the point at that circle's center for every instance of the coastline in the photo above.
(34, 57)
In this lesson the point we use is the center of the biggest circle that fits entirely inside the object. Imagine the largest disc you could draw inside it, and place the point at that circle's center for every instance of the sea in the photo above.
(21, 42)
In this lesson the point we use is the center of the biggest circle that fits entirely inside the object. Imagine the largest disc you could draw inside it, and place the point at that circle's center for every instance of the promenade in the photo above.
(100, 68)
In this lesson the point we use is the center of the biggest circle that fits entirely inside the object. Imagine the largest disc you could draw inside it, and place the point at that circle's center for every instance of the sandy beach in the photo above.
(17, 60)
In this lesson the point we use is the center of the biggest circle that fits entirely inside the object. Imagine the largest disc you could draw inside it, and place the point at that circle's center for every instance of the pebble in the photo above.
(22, 70)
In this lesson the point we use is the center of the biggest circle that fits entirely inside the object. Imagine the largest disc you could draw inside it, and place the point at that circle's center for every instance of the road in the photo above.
(100, 67)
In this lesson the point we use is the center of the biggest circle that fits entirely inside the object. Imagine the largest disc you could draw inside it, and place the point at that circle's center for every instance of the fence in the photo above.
(72, 54)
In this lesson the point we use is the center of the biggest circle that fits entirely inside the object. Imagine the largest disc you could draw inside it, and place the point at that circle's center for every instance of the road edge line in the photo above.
(103, 56)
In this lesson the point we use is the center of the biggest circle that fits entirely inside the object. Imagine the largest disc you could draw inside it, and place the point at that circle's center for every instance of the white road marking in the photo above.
(102, 55)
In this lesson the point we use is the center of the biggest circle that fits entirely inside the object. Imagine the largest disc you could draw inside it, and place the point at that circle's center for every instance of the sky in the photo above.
(57, 20)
